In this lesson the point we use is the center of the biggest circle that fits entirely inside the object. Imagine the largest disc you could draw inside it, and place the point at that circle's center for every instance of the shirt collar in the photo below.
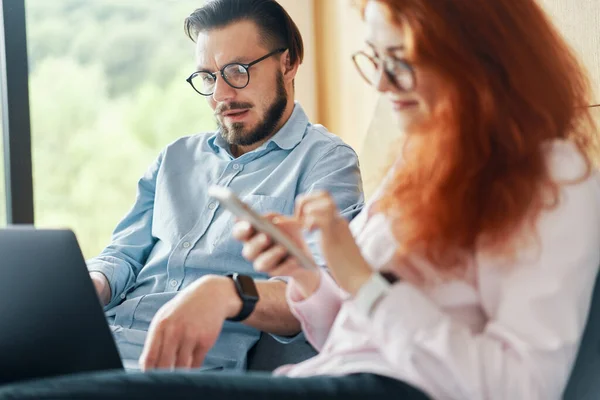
(290, 134)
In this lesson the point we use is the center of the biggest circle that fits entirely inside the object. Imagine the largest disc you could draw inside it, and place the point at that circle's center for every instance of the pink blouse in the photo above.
(506, 332)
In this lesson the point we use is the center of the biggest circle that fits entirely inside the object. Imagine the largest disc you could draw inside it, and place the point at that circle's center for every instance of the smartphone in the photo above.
(237, 207)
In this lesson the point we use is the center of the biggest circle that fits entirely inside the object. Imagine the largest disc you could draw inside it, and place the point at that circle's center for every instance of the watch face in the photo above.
(248, 287)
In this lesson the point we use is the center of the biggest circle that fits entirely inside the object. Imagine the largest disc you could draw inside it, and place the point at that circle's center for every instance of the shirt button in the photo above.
(123, 296)
(236, 166)
(174, 283)
(186, 245)
(212, 206)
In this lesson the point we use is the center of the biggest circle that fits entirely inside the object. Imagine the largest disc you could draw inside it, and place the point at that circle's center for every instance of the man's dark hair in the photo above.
(277, 28)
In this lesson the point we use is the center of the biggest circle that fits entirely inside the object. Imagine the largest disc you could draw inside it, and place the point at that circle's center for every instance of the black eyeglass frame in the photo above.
(391, 76)
(222, 73)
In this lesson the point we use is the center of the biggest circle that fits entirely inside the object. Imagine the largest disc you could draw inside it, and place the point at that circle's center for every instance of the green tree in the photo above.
(133, 41)
(107, 93)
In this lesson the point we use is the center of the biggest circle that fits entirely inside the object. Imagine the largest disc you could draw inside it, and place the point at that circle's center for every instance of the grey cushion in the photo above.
(268, 354)
(584, 382)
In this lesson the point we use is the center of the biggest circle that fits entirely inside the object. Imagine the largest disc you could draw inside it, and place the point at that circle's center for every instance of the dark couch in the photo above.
(584, 383)
(269, 354)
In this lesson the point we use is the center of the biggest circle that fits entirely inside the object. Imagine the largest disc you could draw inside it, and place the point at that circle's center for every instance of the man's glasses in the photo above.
(236, 75)
(400, 73)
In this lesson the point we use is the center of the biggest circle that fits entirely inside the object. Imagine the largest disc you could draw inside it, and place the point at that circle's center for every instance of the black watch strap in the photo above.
(246, 289)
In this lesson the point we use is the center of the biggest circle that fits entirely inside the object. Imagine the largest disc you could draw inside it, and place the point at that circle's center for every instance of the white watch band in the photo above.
(368, 295)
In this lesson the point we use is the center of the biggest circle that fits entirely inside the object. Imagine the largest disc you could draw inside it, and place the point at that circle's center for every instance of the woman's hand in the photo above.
(318, 211)
(272, 258)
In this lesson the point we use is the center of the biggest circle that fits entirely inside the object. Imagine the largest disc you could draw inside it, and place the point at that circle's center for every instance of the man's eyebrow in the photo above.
(239, 60)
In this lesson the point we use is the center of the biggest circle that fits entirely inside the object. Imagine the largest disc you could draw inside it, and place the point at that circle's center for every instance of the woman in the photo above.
(489, 218)
(469, 275)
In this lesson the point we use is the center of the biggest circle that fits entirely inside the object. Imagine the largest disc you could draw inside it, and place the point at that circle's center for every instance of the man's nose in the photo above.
(223, 92)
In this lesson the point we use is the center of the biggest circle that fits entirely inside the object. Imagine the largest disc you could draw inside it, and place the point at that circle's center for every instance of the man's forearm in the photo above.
(271, 314)
(102, 287)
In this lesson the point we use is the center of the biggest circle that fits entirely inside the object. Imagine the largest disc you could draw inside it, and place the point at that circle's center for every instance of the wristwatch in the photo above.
(246, 289)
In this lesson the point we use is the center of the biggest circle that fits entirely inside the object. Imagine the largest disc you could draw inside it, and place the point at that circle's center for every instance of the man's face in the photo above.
(249, 115)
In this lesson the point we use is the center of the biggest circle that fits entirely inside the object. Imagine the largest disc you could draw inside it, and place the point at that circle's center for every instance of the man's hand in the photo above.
(272, 258)
(102, 287)
(187, 327)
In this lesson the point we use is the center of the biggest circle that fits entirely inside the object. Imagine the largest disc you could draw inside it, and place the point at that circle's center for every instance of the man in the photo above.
(176, 239)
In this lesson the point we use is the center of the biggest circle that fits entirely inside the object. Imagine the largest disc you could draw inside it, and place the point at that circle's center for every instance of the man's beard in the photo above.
(235, 135)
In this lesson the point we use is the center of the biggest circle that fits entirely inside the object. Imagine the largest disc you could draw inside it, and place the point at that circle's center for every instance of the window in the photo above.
(107, 92)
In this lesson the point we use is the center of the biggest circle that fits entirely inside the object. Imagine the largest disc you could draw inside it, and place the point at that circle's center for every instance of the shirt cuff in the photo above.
(108, 271)
(328, 293)
(105, 269)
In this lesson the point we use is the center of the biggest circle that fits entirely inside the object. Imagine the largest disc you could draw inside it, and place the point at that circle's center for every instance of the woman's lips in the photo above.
(400, 105)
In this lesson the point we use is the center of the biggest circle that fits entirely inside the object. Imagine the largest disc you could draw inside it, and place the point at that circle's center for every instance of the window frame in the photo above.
(16, 124)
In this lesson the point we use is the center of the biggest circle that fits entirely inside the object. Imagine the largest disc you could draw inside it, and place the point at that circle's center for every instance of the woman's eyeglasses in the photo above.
(400, 73)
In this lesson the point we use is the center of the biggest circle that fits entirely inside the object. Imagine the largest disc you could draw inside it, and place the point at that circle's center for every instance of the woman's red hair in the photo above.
(478, 171)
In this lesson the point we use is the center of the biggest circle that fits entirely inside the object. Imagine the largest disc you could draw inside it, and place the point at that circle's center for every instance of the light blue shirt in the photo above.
(175, 233)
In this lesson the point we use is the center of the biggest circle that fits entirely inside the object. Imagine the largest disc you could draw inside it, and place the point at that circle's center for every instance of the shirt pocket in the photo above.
(261, 204)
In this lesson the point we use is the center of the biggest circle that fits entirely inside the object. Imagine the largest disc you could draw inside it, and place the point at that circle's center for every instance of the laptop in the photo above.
(52, 322)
